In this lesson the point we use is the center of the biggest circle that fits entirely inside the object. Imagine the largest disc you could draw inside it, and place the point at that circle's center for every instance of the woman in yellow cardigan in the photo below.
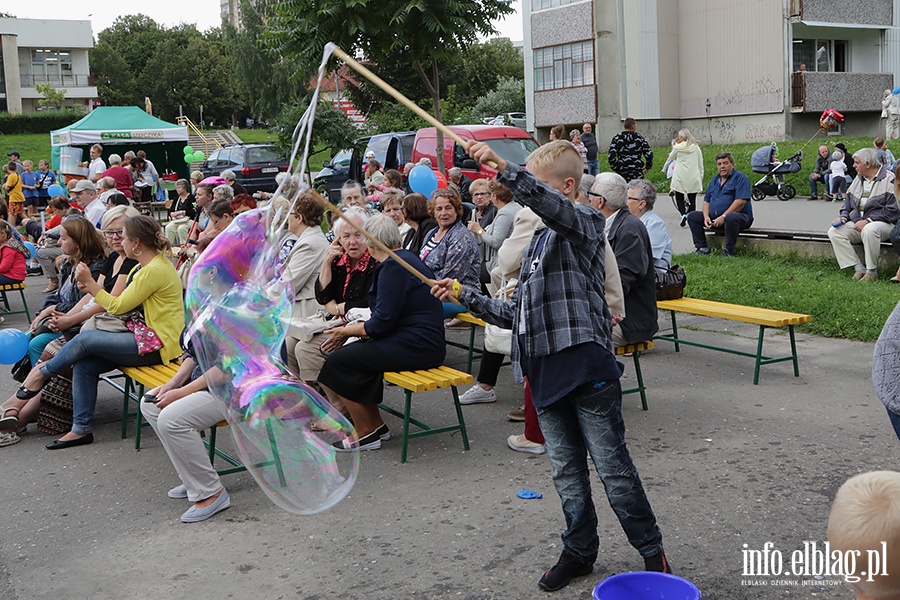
(153, 285)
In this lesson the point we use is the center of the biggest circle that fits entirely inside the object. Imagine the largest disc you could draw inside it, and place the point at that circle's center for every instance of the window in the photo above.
(822, 55)
(565, 66)
(545, 4)
(51, 66)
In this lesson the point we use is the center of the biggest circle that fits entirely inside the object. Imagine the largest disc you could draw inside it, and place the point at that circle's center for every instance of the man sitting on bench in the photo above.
(726, 205)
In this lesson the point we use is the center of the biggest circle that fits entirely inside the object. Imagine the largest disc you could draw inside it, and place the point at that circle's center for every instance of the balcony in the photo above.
(57, 81)
(813, 92)
(872, 13)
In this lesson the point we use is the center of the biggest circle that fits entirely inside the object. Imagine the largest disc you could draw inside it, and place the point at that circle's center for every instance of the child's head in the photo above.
(559, 165)
(28, 165)
(10, 168)
(837, 156)
(879, 142)
(866, 512)
(44, 165)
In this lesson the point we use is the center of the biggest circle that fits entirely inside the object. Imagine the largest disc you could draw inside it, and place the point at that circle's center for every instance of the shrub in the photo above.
(43, 121)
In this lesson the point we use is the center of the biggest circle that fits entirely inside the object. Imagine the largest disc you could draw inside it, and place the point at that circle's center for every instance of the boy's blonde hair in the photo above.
(866, 512)
(560, 158)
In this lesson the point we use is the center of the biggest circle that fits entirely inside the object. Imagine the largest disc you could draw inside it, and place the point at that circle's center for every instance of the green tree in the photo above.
(52, 96)
(508, 97)
(114, 79)
(479, 69)
(189, 76)
(134, 38)
(420, 32)
(332, 129)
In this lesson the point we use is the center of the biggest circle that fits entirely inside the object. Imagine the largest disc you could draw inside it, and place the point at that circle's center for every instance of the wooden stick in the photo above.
(362, 70)
(376, 242)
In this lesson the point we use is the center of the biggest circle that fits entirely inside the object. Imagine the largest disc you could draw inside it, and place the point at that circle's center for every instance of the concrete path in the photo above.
(725, 463)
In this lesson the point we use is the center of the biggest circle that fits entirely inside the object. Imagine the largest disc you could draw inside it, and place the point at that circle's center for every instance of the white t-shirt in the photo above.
(838, 168)
(93, 212)
(96, 167)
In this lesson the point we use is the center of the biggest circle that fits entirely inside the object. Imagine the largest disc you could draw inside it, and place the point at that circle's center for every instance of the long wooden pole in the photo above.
(362, 70)
(377, 243)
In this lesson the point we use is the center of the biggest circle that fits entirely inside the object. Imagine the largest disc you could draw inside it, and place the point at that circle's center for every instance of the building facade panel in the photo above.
(870, 12)
(572, 105)
(562, 25)
(847, 92)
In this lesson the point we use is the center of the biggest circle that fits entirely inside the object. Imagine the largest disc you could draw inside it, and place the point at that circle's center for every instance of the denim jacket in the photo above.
(562, 298)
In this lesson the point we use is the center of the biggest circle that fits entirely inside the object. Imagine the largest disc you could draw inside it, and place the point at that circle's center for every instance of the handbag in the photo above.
(107, 322)
(670, 283)
(21, 369)
(147, 340)
(497, 339)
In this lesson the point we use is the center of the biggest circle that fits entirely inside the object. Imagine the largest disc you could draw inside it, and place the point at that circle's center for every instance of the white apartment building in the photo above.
(36, 51)
(730, 70)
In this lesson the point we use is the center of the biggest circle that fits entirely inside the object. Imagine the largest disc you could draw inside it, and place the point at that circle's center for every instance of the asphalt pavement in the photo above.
(728, 467)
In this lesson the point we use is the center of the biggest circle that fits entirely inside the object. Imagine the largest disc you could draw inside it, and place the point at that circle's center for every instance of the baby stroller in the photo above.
(764, 161)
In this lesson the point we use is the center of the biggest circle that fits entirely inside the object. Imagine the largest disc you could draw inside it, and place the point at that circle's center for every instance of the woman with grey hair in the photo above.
(641, 199)
(404, 333)
(223, 191)
(181, 212)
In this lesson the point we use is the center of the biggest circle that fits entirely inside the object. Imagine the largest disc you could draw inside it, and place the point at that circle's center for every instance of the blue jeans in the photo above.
(90, 354)
(594, 166)
(814, 183)
(589, 420)
(735, 222)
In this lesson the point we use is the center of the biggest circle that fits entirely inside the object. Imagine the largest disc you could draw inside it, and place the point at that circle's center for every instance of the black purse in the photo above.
(670, 283)
(21, 369)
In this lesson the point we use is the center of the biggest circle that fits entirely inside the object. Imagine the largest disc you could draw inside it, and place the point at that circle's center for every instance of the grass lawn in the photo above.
(32, 146)
(840, 307)
(742, 153)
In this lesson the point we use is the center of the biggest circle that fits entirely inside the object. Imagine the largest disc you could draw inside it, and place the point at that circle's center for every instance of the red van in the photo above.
(511, 143)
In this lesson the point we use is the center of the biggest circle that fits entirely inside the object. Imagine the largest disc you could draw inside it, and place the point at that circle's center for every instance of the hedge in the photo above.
(44, 121)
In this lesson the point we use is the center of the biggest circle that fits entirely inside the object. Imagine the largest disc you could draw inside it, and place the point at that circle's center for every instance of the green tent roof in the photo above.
(122, 124)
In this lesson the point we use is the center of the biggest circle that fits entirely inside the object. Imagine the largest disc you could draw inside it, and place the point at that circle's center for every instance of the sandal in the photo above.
(8, 439)
(9, 422)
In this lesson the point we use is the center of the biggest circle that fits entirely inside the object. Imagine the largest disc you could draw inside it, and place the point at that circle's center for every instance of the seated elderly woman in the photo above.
(343, 283)
(302, 264)
(155, 286)
(641, 198)
(392, 206)
(181, 213)
(404, 333)
(481, 198)
(450, 249)
(491, 237)
(242, 203)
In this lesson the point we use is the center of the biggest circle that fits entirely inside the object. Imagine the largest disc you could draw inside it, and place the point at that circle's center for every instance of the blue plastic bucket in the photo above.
(646, 585)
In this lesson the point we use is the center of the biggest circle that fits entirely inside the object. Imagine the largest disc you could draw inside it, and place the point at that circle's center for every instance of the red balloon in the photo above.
(442, 181)
(830, 118)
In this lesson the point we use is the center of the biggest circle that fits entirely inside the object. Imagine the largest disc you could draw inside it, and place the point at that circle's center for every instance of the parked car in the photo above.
(511, 143)
(255, 165)
(392, 151)
(516, 119)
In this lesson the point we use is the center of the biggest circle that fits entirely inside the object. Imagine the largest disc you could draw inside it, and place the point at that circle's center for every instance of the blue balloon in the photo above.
(31, 249)
(896, 91)
(13, 346)
(56, 190)
(423, 180)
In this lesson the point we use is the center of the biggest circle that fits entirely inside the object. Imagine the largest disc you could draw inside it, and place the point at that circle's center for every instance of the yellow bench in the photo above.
(634, 349)
(763, 317)
(420, 381)
(4, 300)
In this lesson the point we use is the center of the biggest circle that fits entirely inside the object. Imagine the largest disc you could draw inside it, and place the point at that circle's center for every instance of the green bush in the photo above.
(43, 121)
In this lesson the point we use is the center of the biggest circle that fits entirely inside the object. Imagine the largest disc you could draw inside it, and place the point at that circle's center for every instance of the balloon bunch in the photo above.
(424, 180)
(830, 119)
(190, 156)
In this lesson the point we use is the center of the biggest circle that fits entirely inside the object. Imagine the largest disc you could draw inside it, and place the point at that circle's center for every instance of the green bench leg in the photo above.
(275, 455)
(25, 303)
(138, 418)
(127, 388)
(471, 348)
(794, 351)
(759, 347)
(675, 331)
(459, 417)
(640, 378)
(406, 417)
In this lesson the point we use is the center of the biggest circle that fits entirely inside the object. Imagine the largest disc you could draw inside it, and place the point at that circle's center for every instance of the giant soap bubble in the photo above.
(239, 310)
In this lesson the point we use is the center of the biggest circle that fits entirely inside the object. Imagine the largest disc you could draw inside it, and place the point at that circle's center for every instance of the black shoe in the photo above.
(658, 563)
(704, 250)
(564, 571)
(62, 444)
(34, 271)
(683, 220)
(728, 254)
(813, 198)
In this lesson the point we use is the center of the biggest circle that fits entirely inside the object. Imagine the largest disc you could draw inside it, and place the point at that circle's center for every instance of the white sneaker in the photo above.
(478, 395)
(520, 444)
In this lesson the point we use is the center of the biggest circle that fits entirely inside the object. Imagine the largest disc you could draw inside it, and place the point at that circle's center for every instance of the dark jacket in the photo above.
(187, 205)
(415, 237)
(590, 143)
(630, 154)
(631, 244)
(823, 164)
(357, 295)
(407, 322)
